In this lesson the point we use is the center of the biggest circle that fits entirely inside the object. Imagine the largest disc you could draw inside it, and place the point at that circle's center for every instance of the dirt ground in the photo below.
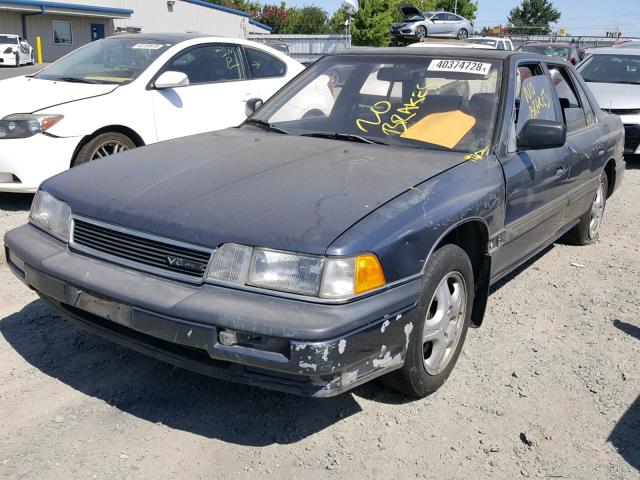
(547, 388)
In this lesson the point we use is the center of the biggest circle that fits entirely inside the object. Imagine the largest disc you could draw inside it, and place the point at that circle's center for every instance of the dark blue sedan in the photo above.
(341, 233)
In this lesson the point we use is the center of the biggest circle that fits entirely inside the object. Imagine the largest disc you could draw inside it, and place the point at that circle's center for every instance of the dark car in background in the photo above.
(313, 250)
(568, 51)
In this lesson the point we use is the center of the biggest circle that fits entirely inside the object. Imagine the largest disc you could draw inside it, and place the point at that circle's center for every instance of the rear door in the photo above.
(215, 98)
(584, 135)
(535, 179)
(267, 72)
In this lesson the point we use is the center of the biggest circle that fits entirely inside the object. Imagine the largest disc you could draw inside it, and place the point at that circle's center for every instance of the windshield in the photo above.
(112, 60)
(428, 102)
(562, 52)
(611, 69)
(4, 39)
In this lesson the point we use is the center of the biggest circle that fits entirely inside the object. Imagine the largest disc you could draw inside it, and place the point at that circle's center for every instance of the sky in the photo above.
(579, 17)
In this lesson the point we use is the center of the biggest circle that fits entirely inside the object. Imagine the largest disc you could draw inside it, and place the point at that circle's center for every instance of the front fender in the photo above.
(404, 231)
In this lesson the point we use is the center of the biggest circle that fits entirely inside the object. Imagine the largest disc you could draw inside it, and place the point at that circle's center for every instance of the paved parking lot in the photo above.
(9, 72)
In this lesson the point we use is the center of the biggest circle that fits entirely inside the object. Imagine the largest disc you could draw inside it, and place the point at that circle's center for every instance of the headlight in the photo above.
(24, 125)
(51, 214)
(331, 278)
(8, 50)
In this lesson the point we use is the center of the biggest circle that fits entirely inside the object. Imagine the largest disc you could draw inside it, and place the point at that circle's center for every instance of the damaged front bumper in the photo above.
(298, 347)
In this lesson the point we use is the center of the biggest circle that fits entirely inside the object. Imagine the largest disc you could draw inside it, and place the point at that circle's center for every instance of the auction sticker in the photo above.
(460, 66)
(148, 46)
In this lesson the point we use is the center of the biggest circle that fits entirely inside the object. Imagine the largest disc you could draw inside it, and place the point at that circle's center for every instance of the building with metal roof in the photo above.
(63, 27)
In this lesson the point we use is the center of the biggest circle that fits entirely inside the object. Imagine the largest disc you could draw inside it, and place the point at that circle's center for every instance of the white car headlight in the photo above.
(51, 214)
(8, 50)
(331, 278)
(23, 125)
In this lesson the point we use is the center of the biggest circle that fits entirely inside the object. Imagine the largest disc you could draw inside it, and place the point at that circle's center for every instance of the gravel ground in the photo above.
(547, 388)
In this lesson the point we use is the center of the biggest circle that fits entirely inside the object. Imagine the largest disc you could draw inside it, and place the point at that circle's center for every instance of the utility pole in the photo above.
(455, 7)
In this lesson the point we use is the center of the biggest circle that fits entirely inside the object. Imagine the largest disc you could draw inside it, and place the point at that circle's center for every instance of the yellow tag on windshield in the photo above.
(445, 129)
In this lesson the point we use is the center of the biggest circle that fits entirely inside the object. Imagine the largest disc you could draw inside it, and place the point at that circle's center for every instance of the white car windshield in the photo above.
(111, 60)
(7, 39)
(429, 102)
(611, 69)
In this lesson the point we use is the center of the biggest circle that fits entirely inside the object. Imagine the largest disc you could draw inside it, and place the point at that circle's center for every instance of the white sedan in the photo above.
(128, 91)
(15, 51)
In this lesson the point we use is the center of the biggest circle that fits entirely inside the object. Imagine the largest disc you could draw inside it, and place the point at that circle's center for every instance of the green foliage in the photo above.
(533, 17)
(307, 21)
(277, 17)
(466, 8)
(249, 6)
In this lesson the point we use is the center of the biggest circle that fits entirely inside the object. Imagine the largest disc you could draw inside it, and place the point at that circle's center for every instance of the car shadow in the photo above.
(512, 275)
(15, 202)
(625, 435)
(160, 393)
(633, 162)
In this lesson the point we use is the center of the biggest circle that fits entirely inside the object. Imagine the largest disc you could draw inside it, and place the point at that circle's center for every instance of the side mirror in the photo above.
(252, 105)
(171, 80)
(542, 134)
(433, 20)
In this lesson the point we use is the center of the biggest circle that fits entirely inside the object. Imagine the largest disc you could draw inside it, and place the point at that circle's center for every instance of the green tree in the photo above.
(307, 21)
(466, 8)
(250, 6)
(371, 26)
(533, 17)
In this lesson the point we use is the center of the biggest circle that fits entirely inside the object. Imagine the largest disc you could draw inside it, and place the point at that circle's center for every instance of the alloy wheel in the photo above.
(444, 322)
(110, 147)
(597, 212)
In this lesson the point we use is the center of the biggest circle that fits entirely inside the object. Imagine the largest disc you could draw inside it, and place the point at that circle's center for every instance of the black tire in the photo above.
(583, 234)
(421, 33)
(413, 378)
(463, 34)
(17, 59)
(90, 149)
(33, 59)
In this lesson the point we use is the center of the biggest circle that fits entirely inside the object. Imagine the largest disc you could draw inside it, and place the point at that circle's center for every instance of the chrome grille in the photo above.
(145, 251)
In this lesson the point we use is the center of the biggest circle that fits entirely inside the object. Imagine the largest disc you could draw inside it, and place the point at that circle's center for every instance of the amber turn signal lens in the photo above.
(369, 275)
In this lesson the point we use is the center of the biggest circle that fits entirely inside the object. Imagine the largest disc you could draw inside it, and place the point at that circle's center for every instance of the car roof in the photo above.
(489, 54)
(166, 37)
(547, 44)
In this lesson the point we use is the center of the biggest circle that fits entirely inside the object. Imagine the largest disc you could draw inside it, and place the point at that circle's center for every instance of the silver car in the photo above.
(613, 75)
(417, 25)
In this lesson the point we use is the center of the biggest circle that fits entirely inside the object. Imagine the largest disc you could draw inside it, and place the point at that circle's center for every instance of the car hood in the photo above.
(407, 10)
(28, 95)
(616, 96)
(247, 186)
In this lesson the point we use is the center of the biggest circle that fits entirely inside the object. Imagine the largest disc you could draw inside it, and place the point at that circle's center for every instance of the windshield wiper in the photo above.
(265, 126)
(343, 136)
(71, 80)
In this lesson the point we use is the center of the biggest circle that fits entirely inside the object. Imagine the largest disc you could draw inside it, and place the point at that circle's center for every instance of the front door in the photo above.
(438, 25)
(215, 97)
(97, 31)
(536, 180)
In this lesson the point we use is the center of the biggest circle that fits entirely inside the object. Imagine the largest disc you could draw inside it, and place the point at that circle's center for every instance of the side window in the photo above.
(209, 64)
(438, 16)
(533, 96)
(588, 109)
(572, 111)
(263, 65)
(500, 45)
(452, 18)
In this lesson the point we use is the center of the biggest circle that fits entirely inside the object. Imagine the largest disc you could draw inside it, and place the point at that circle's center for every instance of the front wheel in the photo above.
(445, 313)
(463, 34)
(102, 146)
(17, 59)
(421, 33)
(588, 229)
